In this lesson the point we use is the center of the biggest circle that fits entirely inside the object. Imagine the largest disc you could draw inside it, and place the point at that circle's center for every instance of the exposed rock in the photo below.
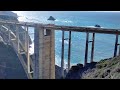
(10, 66)
(80, 65)
(58, 72)
(105, 69)
(10, 16)
(97, 25)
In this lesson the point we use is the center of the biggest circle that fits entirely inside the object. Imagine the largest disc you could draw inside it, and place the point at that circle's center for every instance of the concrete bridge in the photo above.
(42, 66)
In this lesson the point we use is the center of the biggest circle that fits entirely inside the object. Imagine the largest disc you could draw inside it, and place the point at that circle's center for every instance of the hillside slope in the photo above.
(105, 69)
(10, 66)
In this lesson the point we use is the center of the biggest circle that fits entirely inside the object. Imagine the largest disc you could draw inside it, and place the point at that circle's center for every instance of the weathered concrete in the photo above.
(44, 64)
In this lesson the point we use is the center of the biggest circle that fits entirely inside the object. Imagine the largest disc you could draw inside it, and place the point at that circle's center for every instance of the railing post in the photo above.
(28, 55)
(9, 38)
(62, 56)
(92, 48)
(69, 50)
(116, 44)
(25, 39)
(17, 34)
(86, 48)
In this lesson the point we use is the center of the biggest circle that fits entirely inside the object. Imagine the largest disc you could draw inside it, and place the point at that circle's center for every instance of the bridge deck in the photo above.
(66, 28)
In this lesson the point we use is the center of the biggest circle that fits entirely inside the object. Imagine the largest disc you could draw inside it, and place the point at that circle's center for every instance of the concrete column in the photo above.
(62, 55)
(28, 55)
(17, 34)
(92, 48)
(69, 50)
(25, 36)
(116, 44)
(86, 48)
(44, 63)
(119, 50)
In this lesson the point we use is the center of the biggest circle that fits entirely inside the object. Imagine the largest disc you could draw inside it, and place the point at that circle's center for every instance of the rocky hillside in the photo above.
(10, 66)
(13, 27)
(58, 72)
(105, 69)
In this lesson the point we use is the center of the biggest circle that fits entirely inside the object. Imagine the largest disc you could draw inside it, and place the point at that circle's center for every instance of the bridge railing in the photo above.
(20, 48)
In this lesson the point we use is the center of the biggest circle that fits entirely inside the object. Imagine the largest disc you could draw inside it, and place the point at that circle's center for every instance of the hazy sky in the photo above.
(70, 11)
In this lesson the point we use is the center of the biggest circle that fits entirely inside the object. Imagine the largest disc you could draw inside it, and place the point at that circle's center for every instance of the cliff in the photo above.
(58, 72)
(10, 66)
(10, 16)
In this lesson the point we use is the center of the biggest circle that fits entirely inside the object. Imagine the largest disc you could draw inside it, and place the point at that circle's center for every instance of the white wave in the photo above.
(58, 61)
(94, 27)
(57, 20)
(64, 21)
(65, 41)
(57, 58)
(21, 18)
(31, 49)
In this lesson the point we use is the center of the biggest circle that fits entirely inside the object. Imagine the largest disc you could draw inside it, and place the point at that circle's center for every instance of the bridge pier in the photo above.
(116, 45)
(92, 48)
(69, 50)
(44, 63)
(62, 55)
(119, 50)
(86, 48)
(25, 36)
(17, 34)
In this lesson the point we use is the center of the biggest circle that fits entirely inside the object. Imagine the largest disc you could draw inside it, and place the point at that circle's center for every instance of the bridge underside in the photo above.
(43, 64)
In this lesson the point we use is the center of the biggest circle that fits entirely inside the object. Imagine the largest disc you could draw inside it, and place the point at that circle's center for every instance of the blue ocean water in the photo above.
(104, 43)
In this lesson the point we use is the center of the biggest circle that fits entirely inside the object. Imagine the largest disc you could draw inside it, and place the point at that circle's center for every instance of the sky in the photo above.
(71, 11)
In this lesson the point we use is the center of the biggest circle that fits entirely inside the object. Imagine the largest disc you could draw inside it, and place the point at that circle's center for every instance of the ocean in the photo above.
(104, 43)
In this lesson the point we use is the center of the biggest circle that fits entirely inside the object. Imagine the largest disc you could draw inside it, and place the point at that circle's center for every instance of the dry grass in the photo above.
(105, 69)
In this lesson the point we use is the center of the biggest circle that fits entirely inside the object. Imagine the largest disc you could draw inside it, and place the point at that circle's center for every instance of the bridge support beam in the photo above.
(119, 50)
(17, 34)
(69, 50)
(25, 36)
(86, 48)
(116, 44)
(92, 48)
(62, 55)
(44, 62)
